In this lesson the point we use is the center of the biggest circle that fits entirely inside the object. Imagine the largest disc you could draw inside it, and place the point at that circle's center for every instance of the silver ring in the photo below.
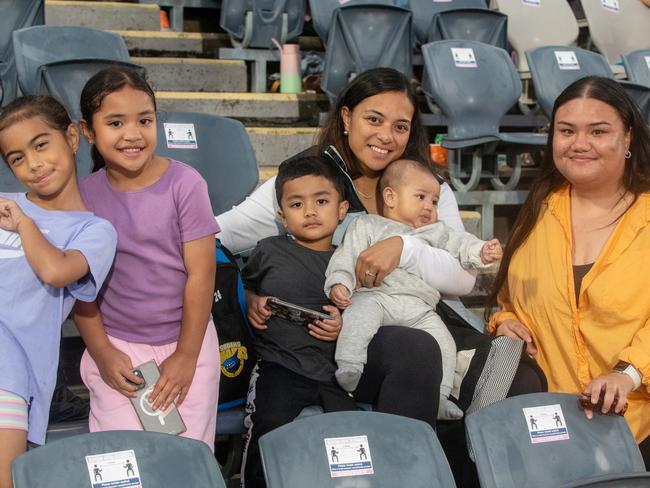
(371, 274)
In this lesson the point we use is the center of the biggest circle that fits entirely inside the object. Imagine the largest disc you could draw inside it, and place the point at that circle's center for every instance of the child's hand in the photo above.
(176, 374)
(257, 311)
(10, 215)
(491, 251)
(115, 368)
(340, 295)
(327, 330)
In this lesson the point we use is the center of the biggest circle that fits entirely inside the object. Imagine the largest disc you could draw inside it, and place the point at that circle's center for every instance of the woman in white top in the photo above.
(375, 121)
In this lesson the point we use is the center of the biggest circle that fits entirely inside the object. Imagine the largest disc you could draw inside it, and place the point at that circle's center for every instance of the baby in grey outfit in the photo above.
(410, 194)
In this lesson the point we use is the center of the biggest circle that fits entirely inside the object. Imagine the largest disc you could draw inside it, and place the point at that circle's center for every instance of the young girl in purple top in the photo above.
(52, 252)
(156, 302)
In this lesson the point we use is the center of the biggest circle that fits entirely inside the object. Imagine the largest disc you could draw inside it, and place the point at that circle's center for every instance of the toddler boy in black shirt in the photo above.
(296, 366)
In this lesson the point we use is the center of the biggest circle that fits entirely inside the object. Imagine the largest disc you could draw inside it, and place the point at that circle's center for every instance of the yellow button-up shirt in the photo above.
(611, 322)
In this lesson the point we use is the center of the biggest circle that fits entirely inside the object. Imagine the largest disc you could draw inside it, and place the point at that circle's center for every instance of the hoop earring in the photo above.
(628, 154)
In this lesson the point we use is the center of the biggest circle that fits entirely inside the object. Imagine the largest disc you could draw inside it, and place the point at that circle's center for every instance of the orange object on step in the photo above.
(438, 154)
(164, 21)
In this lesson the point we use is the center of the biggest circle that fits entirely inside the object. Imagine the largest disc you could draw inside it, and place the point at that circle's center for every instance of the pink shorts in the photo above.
(110, 410)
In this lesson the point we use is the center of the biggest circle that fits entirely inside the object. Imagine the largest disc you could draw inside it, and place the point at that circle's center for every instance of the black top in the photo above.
(283, 269)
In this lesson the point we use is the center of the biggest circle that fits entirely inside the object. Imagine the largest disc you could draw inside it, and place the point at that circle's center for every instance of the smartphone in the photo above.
(167, 421)
(294, 313)
(585, 404)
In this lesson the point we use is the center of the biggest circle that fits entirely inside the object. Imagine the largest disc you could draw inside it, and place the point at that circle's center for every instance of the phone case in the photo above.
(294, 313)
(168, 421)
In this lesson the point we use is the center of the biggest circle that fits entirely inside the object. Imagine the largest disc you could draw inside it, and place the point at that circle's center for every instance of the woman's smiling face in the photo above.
(379, 128)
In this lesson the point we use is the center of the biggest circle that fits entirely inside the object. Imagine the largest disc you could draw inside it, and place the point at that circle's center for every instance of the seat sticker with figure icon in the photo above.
(610, 5)
(348, 456)
(567, 60)
(114, 470)
(546, 423)
(464, 57)
(532, 3)
(180, 136)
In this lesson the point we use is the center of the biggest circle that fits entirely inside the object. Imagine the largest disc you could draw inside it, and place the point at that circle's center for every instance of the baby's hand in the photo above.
(327, 330)
(257, 311)
(10, 215)
(491, 251)
(340, 295)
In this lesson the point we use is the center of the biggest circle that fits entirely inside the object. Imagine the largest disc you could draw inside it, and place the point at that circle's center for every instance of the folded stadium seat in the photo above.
(544, 439)
(160, 460)
(364, 37)
(471, 24)
(14, 14)
(219, 148)
(617, 27)
(323, 10)
(475, 85)
(424, 10)
(637, 66)
(641, 95)
(382, 450)
(553, 68)
(252, 23)
(535, 23)
(58, 60)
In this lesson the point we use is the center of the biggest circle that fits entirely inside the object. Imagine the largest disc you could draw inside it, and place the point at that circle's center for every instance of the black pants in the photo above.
(645, 452)
(278, 396)
(529, 378)
(403, 374)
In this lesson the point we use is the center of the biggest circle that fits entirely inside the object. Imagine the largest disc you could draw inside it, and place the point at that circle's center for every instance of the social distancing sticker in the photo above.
(114, 470)
(611, 5)
(464, 57)
(546, 423)
(348, 456)
(181, 136)
(567, 60)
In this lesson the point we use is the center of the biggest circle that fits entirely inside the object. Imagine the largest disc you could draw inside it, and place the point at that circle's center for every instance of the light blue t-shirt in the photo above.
(31, 312)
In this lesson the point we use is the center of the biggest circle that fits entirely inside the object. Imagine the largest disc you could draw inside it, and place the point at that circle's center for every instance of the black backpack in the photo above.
(234, 331)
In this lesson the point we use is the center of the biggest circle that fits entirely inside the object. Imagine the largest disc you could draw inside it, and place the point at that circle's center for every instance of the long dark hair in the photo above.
(101, 85)
(49, 109)
(636, 175)
(367, 84)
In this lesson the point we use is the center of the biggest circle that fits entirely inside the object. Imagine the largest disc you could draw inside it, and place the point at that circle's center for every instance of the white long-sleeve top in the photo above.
(256, 218)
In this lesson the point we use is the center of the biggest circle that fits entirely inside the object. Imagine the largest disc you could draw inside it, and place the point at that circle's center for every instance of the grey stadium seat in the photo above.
(163, 461)
(403, 452)
(14, 14)
(224, 155)
(470, 24)
(637, 66)
(424, 10)
(349, 51)
(552, 73)
(580, 451)
(323, 10)
(252, 23)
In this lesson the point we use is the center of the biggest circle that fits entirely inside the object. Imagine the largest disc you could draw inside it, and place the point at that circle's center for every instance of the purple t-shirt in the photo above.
(142, 298)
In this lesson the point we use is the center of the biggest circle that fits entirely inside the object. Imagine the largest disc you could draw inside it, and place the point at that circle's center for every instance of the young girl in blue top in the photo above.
(52, 251)
(156, 303)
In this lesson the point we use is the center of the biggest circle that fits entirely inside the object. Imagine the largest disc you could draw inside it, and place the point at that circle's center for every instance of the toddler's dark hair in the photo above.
(102, 84)
(308, 166)
(49, 109)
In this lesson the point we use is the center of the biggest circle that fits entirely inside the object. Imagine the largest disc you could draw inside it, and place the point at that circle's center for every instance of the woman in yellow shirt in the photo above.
(574, 279)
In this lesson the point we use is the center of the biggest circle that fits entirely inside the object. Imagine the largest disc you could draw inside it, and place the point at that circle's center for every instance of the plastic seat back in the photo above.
(473, 83)
(424, 10)
(470, 24)
(323, 10)
(617, 27)
(14, 14)
(544, 439)
(641, 95)
(217, 147)
(160, 460)
(553, 68)
(364, 37)
(394, 450)
(637, 66)
(252, 23)
(529, 21)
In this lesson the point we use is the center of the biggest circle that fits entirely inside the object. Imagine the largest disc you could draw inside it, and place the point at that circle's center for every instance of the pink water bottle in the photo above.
(290, 72)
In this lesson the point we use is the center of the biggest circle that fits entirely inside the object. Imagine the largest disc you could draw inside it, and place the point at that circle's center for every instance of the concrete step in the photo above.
(103, 15)
(189, 44)
(275, 144)
(269, 109)
(197, 75)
